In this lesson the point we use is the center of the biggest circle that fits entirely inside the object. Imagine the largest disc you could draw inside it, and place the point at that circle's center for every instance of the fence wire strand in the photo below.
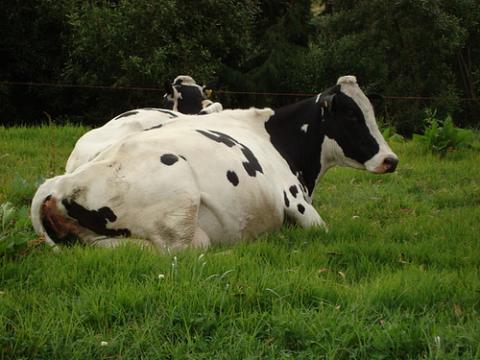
(227, 92)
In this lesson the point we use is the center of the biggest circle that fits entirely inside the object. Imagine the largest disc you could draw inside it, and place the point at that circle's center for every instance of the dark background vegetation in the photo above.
(422, 48)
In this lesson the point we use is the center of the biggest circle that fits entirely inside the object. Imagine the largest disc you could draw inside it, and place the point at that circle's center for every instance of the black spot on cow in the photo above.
(170, 113)
(293, 190)
(219, 137)
(301, 208)
(285, 199)
(169, 159)
(251, 165)
(94, 220)
(107, 213)
(126, 114)
(154, 127)
(301, 181)
(183, 157)
(232, 177)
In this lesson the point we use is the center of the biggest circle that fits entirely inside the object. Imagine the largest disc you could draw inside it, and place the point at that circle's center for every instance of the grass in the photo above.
(397, 275)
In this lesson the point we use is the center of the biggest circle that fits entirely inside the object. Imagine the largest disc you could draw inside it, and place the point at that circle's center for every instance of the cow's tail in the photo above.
(41, 197)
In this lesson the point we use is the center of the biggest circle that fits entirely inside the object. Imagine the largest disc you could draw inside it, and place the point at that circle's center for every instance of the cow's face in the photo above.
(352, 130)
(184, 95)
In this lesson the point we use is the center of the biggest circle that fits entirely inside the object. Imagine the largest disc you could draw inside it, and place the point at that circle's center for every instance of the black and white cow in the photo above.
(233, 175)
(183, 96)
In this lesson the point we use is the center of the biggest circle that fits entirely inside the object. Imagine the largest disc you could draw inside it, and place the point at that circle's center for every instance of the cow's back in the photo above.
(115, 130)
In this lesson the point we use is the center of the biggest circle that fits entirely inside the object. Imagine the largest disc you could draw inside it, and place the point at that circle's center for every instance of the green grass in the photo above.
(397, 275)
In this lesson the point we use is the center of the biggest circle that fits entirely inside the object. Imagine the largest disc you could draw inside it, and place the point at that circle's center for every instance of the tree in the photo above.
(32, 41)
(283, 59)
(405, 47)
(400, 47)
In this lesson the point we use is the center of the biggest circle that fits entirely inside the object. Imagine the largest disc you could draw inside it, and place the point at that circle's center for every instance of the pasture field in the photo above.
(396, 277)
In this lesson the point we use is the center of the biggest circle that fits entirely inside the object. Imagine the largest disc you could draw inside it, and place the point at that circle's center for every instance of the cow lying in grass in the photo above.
(182, 96)
(233, 175)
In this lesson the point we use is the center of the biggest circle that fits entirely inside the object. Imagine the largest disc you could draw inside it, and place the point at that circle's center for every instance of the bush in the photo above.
(15, 229)
(442, 136)
(389, 130)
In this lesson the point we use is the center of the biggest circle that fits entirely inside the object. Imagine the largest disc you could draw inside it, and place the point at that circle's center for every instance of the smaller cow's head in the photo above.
(353, 134)
(185, 95)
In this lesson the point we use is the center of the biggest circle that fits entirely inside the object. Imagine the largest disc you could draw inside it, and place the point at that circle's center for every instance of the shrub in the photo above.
(15, 229)
(441, 136)
(389, 133)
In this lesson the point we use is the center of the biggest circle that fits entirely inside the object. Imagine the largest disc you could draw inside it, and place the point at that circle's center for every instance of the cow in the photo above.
(186, 97)
(182, 96)
(234, 175)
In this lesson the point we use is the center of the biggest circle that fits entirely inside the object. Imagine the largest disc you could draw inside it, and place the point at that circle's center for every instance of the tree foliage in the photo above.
(406, 47)
(423, 48)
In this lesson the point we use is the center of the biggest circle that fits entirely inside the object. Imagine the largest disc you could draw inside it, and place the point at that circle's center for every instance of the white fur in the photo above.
(186, 80)
(210, 107)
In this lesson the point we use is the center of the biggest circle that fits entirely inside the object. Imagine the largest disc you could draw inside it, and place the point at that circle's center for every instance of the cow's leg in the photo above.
(304, 214)
(115, 242)
(178, 228)
(200, 239)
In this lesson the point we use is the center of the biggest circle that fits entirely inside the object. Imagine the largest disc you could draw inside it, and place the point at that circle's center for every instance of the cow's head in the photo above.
(185, 95)
(353, 135)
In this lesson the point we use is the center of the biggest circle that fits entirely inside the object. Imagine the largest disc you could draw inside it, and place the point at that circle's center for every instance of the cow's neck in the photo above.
(297, 133)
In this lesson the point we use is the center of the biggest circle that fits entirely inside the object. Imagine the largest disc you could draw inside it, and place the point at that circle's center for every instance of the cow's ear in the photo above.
(326, 98)
(210, 87)
(207, 92)
(168, 88)
(326, 101)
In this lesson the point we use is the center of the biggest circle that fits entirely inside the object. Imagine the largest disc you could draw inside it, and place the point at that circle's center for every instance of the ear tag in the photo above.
(208, 92)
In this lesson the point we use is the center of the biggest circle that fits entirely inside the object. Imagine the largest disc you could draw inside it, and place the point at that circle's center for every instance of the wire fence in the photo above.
(92, 104)
(227, 92)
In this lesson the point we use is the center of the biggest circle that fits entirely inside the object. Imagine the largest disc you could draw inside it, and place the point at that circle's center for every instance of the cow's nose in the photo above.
(390, 163)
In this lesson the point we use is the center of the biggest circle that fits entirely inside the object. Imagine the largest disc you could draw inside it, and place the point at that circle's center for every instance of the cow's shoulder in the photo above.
(252, 115)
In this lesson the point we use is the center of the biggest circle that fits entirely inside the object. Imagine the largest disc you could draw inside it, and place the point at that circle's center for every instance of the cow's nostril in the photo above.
(390, 163)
